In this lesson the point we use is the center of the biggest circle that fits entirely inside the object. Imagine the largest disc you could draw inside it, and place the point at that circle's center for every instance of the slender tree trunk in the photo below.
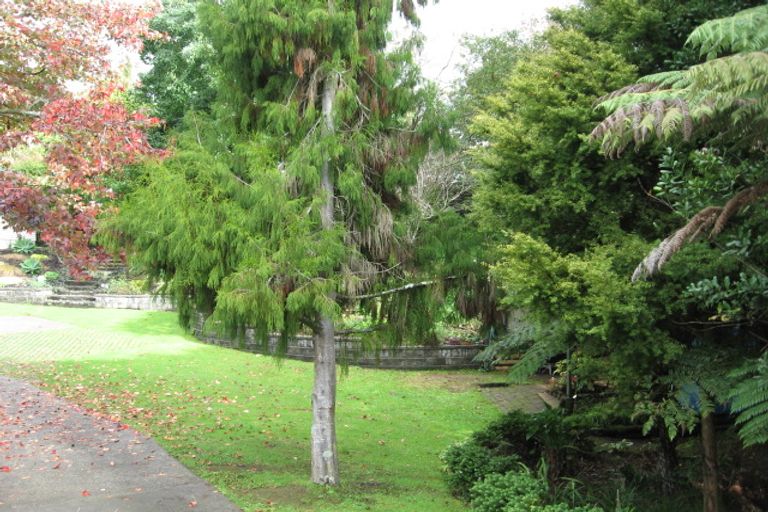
(710, 487)
(325, 463)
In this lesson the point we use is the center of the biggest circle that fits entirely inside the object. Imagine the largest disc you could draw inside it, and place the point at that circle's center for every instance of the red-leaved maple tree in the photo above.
(45, 45)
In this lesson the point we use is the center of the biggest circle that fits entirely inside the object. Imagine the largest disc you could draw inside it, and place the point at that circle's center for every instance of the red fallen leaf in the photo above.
(192, 503)
(85, 493)
(5, 469)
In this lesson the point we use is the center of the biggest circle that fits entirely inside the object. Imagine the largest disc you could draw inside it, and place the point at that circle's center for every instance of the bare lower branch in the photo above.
(409, 286)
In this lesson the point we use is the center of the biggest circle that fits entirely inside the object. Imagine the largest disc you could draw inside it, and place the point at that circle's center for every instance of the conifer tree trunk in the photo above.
(709, 447)
(325, 464)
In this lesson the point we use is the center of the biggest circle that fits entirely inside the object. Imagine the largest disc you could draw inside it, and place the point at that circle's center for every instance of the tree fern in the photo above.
(548, 343)
(732, 88)
(750, 401)
(745, 31)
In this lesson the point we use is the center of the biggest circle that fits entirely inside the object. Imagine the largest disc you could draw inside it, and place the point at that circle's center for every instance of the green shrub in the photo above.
(513, 438)
(468, 462)
(52, 277)
(31, 267)
(23, 246)
(121, 286)
(517, 491)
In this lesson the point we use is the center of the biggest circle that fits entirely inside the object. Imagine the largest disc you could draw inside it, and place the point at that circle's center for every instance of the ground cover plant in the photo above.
(240, 420)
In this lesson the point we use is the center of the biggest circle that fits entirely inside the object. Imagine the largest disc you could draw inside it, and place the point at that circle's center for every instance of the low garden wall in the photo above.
(400, 358)
(25, 295)
(28, 295)
(143, 302)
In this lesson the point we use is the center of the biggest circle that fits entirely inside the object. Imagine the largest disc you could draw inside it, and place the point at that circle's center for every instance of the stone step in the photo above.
(71, 283)
(71, 303)
(72, 296)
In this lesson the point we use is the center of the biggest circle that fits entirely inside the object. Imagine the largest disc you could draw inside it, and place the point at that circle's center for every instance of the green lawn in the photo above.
(241, 420)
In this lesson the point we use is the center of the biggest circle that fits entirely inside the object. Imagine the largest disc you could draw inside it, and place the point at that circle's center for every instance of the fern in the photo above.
(743, 32)
(548, 343)
(750, 401)
(733, 88)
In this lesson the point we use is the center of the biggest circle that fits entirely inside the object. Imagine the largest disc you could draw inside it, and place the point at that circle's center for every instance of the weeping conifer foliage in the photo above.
(231, 222)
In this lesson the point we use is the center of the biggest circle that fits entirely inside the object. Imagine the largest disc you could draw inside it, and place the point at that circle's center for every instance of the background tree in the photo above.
(86, 140)
(540, 178)
(182, 74)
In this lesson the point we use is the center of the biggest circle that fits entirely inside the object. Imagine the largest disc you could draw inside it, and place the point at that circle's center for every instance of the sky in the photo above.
(445, 22)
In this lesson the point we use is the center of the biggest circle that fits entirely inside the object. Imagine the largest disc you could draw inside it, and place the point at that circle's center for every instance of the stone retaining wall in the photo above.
(143, 302)
(25, 295)
(400, 358)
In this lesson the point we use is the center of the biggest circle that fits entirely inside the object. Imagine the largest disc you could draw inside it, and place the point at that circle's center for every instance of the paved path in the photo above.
(530, 398)
(55, 457)
(13, 324)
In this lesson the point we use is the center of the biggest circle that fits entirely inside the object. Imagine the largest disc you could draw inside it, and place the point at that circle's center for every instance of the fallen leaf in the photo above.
(5, 469)
(85, 493)
(192, 503)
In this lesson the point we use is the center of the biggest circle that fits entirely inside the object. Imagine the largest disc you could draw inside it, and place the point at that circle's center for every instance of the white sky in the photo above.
(444, 23)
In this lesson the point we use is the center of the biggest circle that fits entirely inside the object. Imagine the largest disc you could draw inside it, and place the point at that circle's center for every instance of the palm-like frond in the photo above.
(732, 88)
(750, 401)
(714, 217)
(746, 31)
(532, 360)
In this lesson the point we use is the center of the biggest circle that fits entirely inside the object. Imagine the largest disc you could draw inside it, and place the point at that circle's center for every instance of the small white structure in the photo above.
(8, 235)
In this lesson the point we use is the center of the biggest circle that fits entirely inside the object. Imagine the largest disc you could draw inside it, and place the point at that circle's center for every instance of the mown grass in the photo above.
(241, 421)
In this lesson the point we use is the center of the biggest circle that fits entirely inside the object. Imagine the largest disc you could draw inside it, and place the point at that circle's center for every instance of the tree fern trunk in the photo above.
(668, 460)
(325, 464)
(709, 448)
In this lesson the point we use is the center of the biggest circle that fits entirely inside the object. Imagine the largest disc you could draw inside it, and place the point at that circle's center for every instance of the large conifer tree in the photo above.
(287, 204)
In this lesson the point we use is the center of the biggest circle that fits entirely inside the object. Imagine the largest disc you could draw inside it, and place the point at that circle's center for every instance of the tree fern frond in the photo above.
(690, 232)
(727, 74)
(677, 79)
(671, 121)
(733, 88)
(532, 360)
(737, 202)
(745, 31)
(750, 401)
(629, 100)
(639, 88)
(759, 408)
